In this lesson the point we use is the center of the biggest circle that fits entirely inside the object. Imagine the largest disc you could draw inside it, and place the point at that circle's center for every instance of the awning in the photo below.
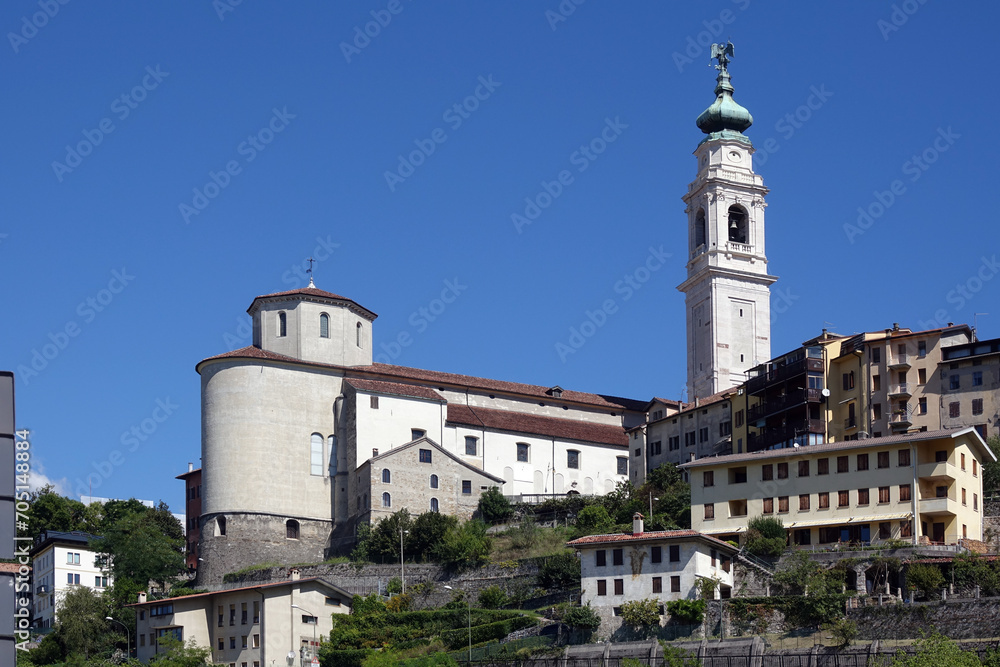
(853, 520)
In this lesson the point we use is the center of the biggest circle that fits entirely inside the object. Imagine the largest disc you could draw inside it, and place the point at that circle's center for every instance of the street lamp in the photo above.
(469, 602)
(402, 575)
(314, 624)
(128, 636)
(651, 499)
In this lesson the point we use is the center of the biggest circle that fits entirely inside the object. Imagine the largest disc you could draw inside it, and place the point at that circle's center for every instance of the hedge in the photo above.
(457, 639)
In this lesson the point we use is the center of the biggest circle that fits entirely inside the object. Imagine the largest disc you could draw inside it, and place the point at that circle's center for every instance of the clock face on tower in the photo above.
(735, 156)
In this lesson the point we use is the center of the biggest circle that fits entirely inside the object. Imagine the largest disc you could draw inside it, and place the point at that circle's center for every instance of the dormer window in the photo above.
(324, 326)
(282, 325)
(554, 392)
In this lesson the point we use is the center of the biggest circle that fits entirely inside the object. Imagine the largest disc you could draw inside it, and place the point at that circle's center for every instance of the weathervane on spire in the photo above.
(722, 52)
(310, 271)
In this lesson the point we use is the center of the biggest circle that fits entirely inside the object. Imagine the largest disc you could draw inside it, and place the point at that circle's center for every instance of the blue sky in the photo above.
(275, 125)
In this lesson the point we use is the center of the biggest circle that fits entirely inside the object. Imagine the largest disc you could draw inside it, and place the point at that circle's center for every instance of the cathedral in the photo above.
(304, 435)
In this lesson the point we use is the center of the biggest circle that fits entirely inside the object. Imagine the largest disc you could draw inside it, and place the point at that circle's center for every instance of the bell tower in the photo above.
(727, 291)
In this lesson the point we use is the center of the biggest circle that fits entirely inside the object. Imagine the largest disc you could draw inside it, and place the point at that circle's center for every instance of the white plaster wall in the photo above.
(257, 423)
(390, 424)
(54, 575)
(302, 339)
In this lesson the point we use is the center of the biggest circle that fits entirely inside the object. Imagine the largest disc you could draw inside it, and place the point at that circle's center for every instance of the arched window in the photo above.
(358, 330)
(737, 224)
(292, 529)
(332, 442)
(282, 325)
(699, 229)
(386, 476)
(324, 326)
(316, 455)
(434, 505)
(220, 526)
(386, 500)
(434, 481)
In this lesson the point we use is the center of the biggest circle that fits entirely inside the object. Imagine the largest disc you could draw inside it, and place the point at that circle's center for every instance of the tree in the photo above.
(560, 571)
(638, 613)
(135, 548)
(50, 511)
(81, 625)
(581, 618)
(801, 575)
(493, 507)
(493, 597)
(766, 536)
(383, 542)
(672, 507)
(925, 578)
(467, 545)
(935, 650)
(594, 520)
(179, 654)
(427, 531)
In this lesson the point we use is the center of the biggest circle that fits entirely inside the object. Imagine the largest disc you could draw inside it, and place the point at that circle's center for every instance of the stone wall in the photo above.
(956, 618)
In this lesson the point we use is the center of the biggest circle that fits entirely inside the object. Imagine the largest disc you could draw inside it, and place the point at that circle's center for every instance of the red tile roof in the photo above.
(395, 389)
(251, 352)
(310, 292)
(11, 567)
(653, 536)
(518, 422)
(225, 591)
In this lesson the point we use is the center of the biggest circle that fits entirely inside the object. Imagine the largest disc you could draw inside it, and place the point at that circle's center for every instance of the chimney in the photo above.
(295, 574)
(895, 326)
(637, 524)
(190, 467)
(142, 597)
(374, 452)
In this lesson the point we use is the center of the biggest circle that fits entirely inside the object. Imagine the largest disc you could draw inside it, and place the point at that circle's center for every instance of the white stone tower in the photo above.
(727, 289)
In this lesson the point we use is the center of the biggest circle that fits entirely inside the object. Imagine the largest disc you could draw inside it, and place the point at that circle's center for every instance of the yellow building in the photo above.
(919, 487)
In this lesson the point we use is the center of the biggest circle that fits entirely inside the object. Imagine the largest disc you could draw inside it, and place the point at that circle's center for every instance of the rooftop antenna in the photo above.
(975, 325)
(310, 272)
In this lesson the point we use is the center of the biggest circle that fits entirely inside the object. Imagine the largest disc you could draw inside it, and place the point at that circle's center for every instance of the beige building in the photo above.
(970, 386)
(254, 626)
(662, 565)
(917, 487)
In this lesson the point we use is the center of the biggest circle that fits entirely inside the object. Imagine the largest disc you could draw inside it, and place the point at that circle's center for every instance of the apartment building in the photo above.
(920, 487)
(662, 565)
(60, 562)
(970, 386)
(192, 510)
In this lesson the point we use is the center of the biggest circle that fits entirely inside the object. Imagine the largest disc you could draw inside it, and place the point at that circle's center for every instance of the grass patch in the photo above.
(518, 543)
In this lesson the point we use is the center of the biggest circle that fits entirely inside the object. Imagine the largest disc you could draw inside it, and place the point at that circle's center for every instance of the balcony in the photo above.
(938, 506)
(768, 438)
(897, 360)
(768, 374)
(779, 403)
(900, 420)
(700, 250)
(850, 422)
(734, 248)
(941, 471)
(900, 390)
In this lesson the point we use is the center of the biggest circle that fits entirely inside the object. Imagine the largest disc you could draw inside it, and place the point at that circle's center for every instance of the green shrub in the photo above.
(581, 618)
(687, 612)
(459, 638)
(493, 597)
(394, 587)
(493, 508)
(638, 613)
(594, 520)
(466, 546)
(843, 630)
(925, 578)
(560, 571)
(766, 536)
(398, 603)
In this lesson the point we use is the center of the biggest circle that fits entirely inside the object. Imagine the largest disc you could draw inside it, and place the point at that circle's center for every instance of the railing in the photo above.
(903, 388)
(700, 250)
(769, 437)
(539, 498)
(900, 418)
(773, 405)
(899, 359)
(742, 248)
(850, 422)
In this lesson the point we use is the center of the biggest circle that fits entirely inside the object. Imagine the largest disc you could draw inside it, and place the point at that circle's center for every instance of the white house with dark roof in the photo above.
(60, 562)
(297, 427)
(663, 565)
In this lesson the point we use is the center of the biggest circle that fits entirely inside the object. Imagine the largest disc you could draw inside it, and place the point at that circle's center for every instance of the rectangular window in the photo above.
(739, 419)
(941, 492)
(657, 584)
(232, 614)
(222, 614)
(709, 511)
(823, 466)
(602, 587)
(862, 462)
(725, 428)
(975, 468)
(921, 348)
(256, 612)
(767, 472)
(522, 452)
(862, 496)
(975, 501)
(417, 433)
(954, 382)
(782, 504)
(243, 642)
(425, 456)
(977, 378)
(243, 613)
(675, 553)
(600, 558)
(222, 644)
(876, 382)
(689, 439)
(842, 464)
(941, 456)
(921, 406)
(883, 494)
(921, 376)
(961, 460)
(703, 434)
(466, 487)
(656, 554)
(883, 459)
(573, 459)
(622, 465)
(824, 500)
(884, 530)
(673, 442)
(142, 639)
(905, 529)
(954, 409)
(675, 584)
(619, 586)
(782, 471)
(256, 642)
(232, 642)
(903, 458)
(803, 468)
(471, 445)
(963, 497)
(768, 505)
(617, 556)
(373, 402)
(876, 354)
(904, 492)
(977, 406)
(843, 499)
(803, 502)
(708, 478)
